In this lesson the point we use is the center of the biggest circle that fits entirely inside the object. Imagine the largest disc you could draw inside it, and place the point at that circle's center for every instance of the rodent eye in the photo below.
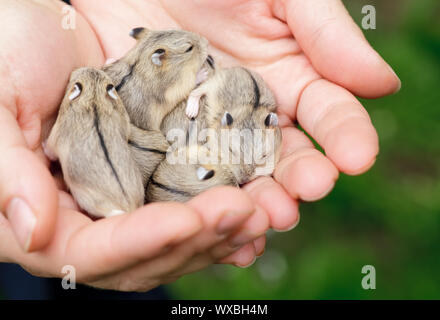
(76, 91)
(112, 92)
(189, 49)
(227, 119)
(204, 174)
(271, 120)
(156, 57)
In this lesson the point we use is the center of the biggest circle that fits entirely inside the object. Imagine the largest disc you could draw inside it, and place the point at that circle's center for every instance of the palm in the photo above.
(120, 254)
(309, 74)
(113, 253)
(254, 38)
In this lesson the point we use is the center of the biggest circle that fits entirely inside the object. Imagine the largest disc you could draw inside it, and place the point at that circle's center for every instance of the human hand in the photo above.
(314, 58)
(154, 245)
(138, 251)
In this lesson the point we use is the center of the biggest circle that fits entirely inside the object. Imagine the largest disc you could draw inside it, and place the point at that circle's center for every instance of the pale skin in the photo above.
(310, 53)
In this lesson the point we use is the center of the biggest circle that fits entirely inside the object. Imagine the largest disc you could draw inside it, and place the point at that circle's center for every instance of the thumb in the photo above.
(338, 49)
(28, 194)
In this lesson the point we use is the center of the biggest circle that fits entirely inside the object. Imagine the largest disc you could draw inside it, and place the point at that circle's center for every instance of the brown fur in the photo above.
(151, 91)
(248, 100)
(179, 182)
(148, 148)
(90, 139)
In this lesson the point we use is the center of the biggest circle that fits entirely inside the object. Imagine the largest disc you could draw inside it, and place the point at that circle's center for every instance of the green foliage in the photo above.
(388, 217)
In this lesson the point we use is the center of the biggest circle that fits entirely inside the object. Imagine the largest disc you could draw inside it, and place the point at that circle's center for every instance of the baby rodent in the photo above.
(148, 148)
(182, 181)
(234, 101)
(239, 100)
(159, 72)
(90, 139)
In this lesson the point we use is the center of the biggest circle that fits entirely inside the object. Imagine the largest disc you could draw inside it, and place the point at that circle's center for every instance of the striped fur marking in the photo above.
(171, 190)
(104, 148)
(135, 145)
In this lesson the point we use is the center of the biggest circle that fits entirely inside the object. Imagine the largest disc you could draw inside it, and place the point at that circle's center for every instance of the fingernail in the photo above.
(230, 221)
(322, 195)
(400, 82)
(293, 226)
(242, 238)
(22, 220)
(259, 254)
(248, 265)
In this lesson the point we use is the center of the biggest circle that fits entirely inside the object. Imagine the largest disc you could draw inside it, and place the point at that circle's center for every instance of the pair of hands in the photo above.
(310, 53)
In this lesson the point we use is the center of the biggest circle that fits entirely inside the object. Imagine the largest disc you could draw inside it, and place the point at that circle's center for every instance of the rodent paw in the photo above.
(201, 76)
(192, 107)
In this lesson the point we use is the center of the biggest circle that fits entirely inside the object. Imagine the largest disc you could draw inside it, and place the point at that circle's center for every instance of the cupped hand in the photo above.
(314, 58)
(154, 245)
(42, 229)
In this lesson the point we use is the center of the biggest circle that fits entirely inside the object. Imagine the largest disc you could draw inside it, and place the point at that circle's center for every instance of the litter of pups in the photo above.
(163, 123)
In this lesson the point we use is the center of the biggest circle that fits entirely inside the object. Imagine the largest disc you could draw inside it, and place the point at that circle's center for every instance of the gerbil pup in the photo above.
(90, 139)
(158, 73)
(237, 104)
(148, 148)
(182, 181)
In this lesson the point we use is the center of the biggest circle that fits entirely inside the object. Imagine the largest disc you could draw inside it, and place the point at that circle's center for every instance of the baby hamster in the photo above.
(182, 181)
(158, 73)
(148, 148)
(238, 100)
(90, 139)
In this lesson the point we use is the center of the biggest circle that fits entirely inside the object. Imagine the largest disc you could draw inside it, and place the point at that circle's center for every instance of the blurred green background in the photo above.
(388, 217)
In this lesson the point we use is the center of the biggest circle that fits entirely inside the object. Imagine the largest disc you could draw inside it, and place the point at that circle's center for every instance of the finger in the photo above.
(66, 200)
(224, 216)
(124, 241)
(28, 195)
(112, 22)
(303, 171)
(339, 123)
(243, 258)
(283, 213)
(259, 245)
(133, 281)
(337, 48)
(252, 230)
(220, 218)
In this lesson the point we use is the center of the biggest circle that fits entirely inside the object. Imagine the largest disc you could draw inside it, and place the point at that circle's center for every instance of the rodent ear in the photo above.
(227, 119)
(156, 57)
(138, 32)
(271, 120)
(75, 91)
(111, 91)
